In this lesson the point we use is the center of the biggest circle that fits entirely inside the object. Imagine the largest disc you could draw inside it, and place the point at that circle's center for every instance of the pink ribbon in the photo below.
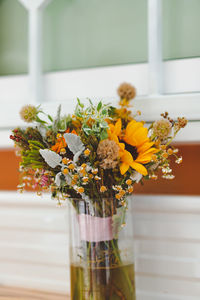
(95, 229)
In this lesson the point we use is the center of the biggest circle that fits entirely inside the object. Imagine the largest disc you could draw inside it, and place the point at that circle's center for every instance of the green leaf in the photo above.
(78, 114)
(90, 102)
(40, 121)
(86, 129)
(79, 103)
(50, 118)
(104, 112)
(104, 135)
(111, 111)
(99, 106)
(103, 124)
(36, 143)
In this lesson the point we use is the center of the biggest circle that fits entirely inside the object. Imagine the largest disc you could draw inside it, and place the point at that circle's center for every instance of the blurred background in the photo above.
(54, 51)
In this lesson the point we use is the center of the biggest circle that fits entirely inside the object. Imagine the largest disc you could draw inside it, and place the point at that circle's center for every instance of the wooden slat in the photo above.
(161, 248)
(34, 252)
(29, 253)
(47, 239)
(53, 221)
(168, 285)
(8, 293)
(141, 295)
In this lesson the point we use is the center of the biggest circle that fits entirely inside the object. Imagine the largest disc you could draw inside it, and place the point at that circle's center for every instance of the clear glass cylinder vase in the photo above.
(101, 250)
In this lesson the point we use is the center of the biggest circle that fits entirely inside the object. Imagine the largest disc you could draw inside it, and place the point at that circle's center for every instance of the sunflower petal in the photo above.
(139, 168)
(151, 151)
(127, 157)
(145, 147)
(132, 126)
(131, 129)
(137, 137)
(114, 138)
(118, 127)
(124, 168)
(143, 159)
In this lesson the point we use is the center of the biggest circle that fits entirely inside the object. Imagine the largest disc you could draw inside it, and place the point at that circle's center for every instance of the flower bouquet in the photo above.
(93, 158)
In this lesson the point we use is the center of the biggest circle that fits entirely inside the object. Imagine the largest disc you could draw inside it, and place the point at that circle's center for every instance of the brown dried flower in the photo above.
(126, 91)
(182, 122)
(162, 128)
(108, 153)
(29, 113)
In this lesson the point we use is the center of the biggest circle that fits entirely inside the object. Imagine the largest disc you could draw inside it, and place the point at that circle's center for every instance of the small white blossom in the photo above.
(179, 160)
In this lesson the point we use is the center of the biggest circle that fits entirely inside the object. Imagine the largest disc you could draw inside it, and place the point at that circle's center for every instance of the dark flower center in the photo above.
(131, 149)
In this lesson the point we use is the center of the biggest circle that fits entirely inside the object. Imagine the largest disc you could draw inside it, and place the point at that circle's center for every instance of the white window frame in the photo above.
(161, 85)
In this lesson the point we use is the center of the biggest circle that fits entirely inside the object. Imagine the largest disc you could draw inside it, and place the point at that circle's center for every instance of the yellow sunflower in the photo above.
(135, 146)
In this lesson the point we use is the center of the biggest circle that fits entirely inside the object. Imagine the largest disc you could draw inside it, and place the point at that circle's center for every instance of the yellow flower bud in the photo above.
(118, 196)
(85, 179)
(165, 155)
(163, 147)
(58, 136)
(80, 190)
(170, 151)
(103, 189)
(62, 151)
(154, 157)
(87, 152)
(65, 160)
(128, 181)
(65, 171)
(130, 189)
(71, 166)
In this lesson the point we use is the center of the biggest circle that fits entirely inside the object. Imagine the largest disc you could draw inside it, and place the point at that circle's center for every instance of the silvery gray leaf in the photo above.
(52, 158)
(57, 179)
(74, 143)
(68, 179)
(76, 156)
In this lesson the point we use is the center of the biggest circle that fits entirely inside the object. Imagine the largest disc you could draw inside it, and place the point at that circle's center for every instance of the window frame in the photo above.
(162, 85)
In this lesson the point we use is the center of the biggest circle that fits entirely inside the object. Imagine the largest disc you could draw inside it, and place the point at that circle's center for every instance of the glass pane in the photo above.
(82, 34)
(13, 38)
(181, 24)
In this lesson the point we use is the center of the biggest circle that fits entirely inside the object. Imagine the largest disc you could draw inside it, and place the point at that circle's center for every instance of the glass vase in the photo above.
(101, 250)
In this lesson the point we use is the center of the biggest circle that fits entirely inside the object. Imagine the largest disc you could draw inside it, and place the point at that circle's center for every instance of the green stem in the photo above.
(117, 254)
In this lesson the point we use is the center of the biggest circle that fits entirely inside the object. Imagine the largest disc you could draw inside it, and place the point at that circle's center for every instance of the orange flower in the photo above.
(61, 143)
(73, 131)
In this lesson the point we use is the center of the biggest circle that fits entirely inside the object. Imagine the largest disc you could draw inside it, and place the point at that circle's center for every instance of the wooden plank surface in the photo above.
(8, 293)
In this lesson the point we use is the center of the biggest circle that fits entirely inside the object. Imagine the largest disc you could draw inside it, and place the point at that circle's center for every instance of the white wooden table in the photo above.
(8, 293)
